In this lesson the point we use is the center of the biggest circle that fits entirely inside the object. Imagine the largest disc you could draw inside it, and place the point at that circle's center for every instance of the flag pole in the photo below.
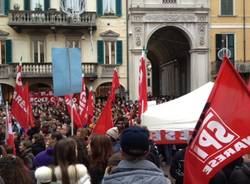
(71, 115)
(7, 121)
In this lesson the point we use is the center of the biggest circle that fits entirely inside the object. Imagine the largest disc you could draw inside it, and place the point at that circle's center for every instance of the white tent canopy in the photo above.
(179, 114)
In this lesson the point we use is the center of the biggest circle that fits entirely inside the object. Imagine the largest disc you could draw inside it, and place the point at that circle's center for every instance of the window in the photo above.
(38, 51)
(109, 52)
(73, 43)
(109, 7)
(37, 4)
(224, 41)
(226, 7)
(5, 51)
(34, 4)
(1, 7)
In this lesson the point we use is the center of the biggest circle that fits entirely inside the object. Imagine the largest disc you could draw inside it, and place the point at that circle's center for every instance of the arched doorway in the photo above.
(6, 93)
(168, 51)
(104, 89)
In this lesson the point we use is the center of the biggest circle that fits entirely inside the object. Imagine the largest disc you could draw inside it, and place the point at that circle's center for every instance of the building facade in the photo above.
(29, 29)
(175, 36)
(230, 34)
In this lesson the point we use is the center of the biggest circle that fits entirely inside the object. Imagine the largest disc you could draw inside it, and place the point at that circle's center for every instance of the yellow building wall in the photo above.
(230, 24)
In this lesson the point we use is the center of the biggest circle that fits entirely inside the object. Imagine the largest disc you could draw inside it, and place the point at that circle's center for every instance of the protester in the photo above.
(67, 169)
(113, 134)
(38, 144)
(240, 174)
(100, 149)
(134, 168)
(45, 158)
(113, 162)
(26, 153)
(13, 171)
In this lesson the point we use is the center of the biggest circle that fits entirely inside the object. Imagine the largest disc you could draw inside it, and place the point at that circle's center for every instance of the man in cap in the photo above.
(134, 168)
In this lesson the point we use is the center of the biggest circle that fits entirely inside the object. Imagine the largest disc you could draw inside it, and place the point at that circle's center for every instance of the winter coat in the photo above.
(177, 166)
(27, 157)
(44, 158)
(46, 174)
(37, 148)
(136, 172)
(240, 175)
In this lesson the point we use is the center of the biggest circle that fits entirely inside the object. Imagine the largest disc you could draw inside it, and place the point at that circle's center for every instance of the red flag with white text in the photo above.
(222, 133)
(83, 104)
(76, 117)
(142, 102)
(10, 135)
(18, 106)
(105, 120)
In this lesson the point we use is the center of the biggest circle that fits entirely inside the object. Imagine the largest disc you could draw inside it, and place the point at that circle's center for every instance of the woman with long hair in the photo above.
(13, 170)
(66, 169)
(100, 149)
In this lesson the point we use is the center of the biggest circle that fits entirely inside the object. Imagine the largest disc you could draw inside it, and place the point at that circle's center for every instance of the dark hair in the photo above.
(101, 150)
(13, 171)
(65, 155)
(39, 139)
(82, 153)
(56, 135)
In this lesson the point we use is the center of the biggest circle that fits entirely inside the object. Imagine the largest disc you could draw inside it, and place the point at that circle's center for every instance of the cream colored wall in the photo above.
(22, 45)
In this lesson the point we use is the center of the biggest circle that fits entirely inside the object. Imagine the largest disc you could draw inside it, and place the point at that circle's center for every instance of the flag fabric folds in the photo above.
(30, 117)
(105, 120)
(9, 134)
(76, 117)
(222, 133)
(142, 102)
(90, 107)
(19, 103)
(83, 104)
(67, 71)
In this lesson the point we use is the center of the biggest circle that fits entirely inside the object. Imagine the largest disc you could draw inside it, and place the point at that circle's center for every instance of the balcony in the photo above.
(41, 70)
(51, 19)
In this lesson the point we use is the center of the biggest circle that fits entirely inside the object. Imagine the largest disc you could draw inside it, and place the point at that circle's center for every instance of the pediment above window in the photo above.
(3, 33)
(109, 34)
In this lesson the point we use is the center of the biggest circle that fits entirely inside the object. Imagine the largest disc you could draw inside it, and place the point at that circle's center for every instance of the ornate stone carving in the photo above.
(202, 29)
(138, 33)
(170, 18)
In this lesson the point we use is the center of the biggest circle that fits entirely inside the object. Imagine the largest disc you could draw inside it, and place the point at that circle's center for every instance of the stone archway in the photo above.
(168, 50)
(103, 90)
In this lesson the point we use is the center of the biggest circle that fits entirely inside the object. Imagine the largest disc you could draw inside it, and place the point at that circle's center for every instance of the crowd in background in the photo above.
(48, 153)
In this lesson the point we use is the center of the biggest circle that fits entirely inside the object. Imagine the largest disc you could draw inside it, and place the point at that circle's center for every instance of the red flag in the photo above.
(143, 103)
(90, 107)
(76, 118)
(105, 120)
(115, 85)
(83, 103)
(18, 107)
(223, 133)
(10, 135)
(30, 117)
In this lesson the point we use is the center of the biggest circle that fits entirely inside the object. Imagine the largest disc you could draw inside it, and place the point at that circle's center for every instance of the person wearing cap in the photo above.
(135, 168)
(113, 134)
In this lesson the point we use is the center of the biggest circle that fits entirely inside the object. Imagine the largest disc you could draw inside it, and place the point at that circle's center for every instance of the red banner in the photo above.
(223, 133)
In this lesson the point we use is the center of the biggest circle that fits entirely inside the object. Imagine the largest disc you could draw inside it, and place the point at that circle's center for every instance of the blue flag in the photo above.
(67, 71)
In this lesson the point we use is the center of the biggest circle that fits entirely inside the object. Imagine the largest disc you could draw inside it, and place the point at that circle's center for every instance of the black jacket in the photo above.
(240, 175)
(177, 166)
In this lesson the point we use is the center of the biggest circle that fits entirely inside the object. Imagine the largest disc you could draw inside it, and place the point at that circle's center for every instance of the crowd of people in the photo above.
(48, 153)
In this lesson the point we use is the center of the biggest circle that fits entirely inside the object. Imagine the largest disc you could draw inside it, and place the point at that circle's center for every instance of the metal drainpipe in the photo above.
(244, 30)
(127, 40)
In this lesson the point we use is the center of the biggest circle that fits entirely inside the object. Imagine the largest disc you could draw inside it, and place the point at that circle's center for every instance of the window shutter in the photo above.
(6, 7)
(46, 5)
(226, 7)
(218, 46)
(119, 52)
(99, 7)
(231, 45)
(8, 44)
(100, 52)
(118, 5)
(26, 4)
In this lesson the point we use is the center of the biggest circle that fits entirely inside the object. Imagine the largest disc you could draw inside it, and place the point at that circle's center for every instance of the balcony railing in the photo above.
(50, 19)
(41, 70)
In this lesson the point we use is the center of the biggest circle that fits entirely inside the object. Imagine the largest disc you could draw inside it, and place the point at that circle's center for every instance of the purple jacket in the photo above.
(44, 158)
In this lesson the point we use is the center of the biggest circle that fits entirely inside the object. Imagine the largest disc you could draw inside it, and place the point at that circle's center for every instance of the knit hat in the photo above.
(134, 141)
(113, 132)
(43, 174)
